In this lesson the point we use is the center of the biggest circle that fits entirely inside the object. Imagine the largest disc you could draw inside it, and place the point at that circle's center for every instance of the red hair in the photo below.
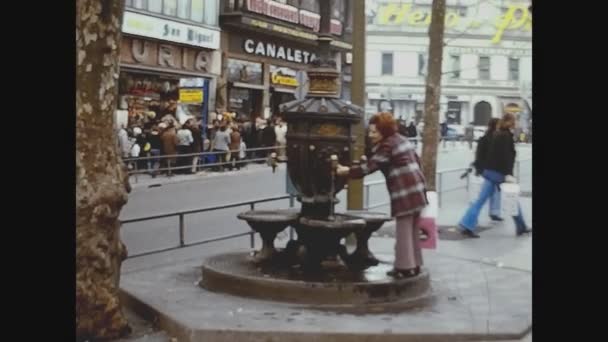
(385, 123)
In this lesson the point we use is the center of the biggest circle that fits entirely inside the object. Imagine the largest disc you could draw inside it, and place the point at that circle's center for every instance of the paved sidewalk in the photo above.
(498, 250)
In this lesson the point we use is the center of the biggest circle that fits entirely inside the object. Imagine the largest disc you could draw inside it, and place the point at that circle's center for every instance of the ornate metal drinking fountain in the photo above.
(316, 267)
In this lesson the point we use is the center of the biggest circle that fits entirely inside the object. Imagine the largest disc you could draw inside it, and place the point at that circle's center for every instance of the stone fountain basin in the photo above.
(270, 220)
(342, 226)
(235, 274)
(373, 219)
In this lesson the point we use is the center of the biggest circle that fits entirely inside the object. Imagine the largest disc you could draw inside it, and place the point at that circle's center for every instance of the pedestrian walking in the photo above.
(402, 127)
(196, 128)
(443, 128)
(124, 144)
(497, 169)
(221, 144)
(480, 164)
(469, 134)
(412, 132)
(143, 148)
(169, 143)
(269, 138)
(184, 148)
(235, 146)
(280, 130)
(155, 148)
(396, 157)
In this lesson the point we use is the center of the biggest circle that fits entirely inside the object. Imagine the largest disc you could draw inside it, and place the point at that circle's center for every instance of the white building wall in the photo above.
(373, 63)
(406, 86)
(499, 68)
(405, 64)
(525, 69)
(469, 70)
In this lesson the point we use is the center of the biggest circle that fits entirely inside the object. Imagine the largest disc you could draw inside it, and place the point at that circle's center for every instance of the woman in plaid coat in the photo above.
(396, 157)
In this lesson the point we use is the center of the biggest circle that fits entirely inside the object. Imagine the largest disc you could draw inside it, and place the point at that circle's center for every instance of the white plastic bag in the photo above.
(509, 199)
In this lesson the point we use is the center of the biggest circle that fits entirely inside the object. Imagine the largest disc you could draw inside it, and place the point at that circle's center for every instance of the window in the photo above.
(422, 59)
(170, 7)
(155, 6)
(197, 13)
(513, 69)
(337, 10)
(200, 11)
(484, 68)
(349, 14)
(183, 9)
(454, 67)
(211, 12)
(387, 63)
(139, 4)
(310, 5)
(295, 3)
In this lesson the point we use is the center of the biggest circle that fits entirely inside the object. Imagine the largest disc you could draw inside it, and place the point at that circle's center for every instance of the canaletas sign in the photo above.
(291, 14)
(274, 50)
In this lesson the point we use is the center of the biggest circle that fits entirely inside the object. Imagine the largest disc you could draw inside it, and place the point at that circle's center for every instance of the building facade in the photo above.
(170, 59)
(487, 60)
(267, 46)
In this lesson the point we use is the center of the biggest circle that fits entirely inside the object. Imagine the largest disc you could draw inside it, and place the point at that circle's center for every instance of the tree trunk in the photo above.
(102, 182)
(430, 138)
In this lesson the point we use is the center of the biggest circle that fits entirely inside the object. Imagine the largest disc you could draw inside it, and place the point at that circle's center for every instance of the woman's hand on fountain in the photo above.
(342, 170)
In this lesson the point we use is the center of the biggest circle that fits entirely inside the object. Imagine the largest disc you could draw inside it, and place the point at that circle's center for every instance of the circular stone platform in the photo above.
(237, 274)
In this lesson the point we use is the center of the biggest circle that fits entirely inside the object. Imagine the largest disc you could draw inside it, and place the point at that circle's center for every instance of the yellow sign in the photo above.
(510, 22)
(191, 95)
(277, 78)
(512, 108)
(516, 17)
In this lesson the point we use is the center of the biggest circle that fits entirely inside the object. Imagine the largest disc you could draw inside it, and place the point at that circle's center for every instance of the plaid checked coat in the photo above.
(396, 158)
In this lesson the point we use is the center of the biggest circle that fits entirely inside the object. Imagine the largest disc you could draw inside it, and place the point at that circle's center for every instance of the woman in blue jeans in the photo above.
(498, 168)
(481, 155)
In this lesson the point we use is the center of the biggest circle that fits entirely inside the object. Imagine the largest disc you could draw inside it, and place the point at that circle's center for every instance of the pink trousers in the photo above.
(407, 247)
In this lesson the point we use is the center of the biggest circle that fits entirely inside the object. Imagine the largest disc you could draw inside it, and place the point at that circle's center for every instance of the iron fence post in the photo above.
(181, 230)
(291, 205)
(439, 190)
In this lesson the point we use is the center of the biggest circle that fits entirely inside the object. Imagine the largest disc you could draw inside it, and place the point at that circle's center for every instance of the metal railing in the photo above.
(165, 159)
(181, 214)
(440, 188)
(182, 225)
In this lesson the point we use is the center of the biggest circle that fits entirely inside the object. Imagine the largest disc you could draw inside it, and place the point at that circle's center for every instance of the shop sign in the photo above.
(191, 95)
(152, 27)
(244, 71)
(151, 53)
(291, 14)
(277, 28)
(277, 51)
(283, 76)
(512, 108)
(348, 58)
(516, 17)
(291, 32)
(313, 21)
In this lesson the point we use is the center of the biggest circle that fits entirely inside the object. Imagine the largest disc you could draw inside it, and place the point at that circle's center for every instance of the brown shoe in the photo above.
(400, 274)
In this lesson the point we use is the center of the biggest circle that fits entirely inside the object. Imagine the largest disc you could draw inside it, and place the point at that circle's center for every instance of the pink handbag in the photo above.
(427, 222)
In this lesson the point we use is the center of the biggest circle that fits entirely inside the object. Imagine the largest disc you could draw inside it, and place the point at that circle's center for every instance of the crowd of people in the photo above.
(171, 147)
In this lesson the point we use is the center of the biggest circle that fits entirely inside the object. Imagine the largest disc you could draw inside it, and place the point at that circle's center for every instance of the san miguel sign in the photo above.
(292, 14)
(277, 51)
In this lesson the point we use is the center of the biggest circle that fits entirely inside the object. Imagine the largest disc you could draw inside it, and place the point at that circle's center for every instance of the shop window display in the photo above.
(147, 98)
